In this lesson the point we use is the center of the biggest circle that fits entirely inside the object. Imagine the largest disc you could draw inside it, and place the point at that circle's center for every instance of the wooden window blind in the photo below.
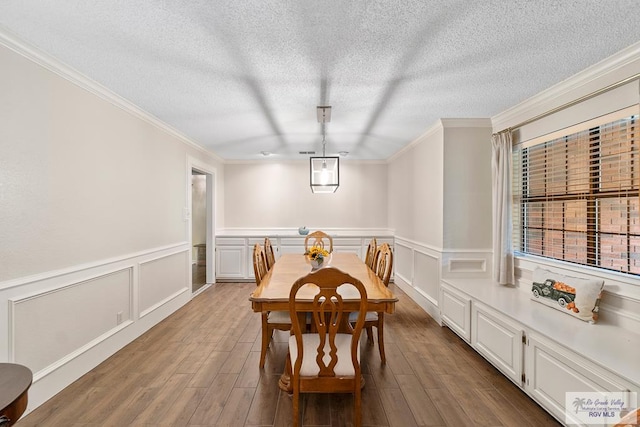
(576, 194)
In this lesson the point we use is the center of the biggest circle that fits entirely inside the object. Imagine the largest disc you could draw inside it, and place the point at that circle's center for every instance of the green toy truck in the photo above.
(554, 290)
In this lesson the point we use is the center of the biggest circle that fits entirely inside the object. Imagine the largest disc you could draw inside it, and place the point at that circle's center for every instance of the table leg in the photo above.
(285, 379)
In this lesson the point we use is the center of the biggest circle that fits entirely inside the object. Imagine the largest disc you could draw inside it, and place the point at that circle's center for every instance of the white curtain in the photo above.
(503, 269)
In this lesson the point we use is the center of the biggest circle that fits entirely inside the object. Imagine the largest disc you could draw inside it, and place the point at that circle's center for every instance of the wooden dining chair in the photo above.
(327, 360)
(259, 263)
(318, 238)
(268, 252)
(371, 253)
(383, 263)
(271, 320)
(382, 266)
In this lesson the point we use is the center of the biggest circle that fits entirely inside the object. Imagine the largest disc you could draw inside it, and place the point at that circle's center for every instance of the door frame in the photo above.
(210, 172)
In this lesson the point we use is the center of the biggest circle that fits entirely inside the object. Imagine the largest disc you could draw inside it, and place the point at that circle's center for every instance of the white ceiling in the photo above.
(241, 77)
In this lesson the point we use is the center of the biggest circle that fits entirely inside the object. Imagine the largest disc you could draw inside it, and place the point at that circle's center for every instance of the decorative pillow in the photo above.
(572, 295)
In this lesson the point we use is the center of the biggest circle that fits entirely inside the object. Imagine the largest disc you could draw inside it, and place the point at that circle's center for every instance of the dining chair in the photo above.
(327, 360)
(268, 252)
(383, 263)
(259, 263)
(371, 253)
(382, 266)
(271, 320)
(317, 238)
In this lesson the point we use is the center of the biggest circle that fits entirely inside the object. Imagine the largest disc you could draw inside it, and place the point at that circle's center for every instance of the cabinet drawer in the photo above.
(347, 241)
(230, 241)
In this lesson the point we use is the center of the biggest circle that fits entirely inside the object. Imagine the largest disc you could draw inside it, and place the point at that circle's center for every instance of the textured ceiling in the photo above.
(242, 77)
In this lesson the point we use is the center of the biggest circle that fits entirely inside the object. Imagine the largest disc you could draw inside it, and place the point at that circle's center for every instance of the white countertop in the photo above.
(294, 233)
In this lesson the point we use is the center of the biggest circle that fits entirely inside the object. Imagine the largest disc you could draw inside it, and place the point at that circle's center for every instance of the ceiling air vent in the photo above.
(307, 152)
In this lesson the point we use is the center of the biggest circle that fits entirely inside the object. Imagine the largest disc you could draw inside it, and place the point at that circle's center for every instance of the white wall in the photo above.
(440, 208)
(416, 190)
(93, 236)
(275, 195)
(467, 185)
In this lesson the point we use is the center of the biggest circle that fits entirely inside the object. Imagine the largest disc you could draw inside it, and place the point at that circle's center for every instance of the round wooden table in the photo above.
(15, 381)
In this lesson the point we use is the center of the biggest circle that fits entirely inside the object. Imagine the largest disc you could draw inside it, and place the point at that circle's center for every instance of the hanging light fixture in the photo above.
(324, 171)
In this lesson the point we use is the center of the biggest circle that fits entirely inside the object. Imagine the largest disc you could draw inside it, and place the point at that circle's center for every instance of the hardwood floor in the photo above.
(199, 367)
(199, 276)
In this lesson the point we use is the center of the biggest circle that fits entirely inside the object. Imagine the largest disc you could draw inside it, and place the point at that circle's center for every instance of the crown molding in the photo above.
(300, 161)
(615, 68)
(34, 54)
(441, 125)
(432, 130)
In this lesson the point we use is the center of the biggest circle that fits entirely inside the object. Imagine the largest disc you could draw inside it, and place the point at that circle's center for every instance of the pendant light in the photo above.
(324, 171)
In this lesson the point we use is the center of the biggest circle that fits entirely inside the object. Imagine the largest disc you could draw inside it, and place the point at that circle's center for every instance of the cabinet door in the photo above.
(231, 262)
(551, 371)
(499, 340)
(455, 311)
(292, 245)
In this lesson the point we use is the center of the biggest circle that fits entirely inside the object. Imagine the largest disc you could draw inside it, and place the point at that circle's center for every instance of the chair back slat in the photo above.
(371, 253)
(268, 252)
(383, 263)
(320, 239)
(259, 263)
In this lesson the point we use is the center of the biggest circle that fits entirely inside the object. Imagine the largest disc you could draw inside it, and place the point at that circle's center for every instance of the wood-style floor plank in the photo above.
(199, 367)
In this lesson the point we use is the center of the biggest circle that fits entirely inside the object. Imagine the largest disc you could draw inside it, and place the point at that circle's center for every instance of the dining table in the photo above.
(272, 294)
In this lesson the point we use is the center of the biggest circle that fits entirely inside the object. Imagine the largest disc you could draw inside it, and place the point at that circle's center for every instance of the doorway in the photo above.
(201, 223)
(198, 230)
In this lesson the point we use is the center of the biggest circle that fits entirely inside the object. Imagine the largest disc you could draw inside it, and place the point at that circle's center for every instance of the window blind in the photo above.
(576, 194)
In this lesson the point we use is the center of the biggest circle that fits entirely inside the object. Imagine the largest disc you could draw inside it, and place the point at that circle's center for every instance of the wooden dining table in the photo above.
(272, 294)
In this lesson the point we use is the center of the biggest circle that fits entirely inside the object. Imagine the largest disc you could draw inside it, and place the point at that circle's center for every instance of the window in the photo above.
(576, 194)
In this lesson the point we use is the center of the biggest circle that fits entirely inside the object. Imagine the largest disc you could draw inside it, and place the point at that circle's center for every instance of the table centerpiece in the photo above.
(317, 256)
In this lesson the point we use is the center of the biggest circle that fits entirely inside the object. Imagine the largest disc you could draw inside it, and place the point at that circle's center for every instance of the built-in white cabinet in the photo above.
(551, 371)
(347, 244)
(231, 259)
(498, 339)
(234, 254)
(455, 311)
(291, 245)
(545, 352)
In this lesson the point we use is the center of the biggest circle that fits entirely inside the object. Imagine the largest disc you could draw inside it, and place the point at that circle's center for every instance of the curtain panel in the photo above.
(501, 167)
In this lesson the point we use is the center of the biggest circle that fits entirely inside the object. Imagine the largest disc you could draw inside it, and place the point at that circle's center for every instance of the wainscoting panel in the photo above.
(403, 262)
(161, 279)
(417, 273)
(427, 275)
(47, 327)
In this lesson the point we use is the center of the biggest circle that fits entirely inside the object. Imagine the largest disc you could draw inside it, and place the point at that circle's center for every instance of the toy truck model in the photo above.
(554, 290)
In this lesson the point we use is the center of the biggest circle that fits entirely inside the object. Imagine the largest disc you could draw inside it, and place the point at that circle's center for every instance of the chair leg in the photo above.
(296, 407)
(381, 337)
(357, 409)
(266, 337)
(370, 335)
